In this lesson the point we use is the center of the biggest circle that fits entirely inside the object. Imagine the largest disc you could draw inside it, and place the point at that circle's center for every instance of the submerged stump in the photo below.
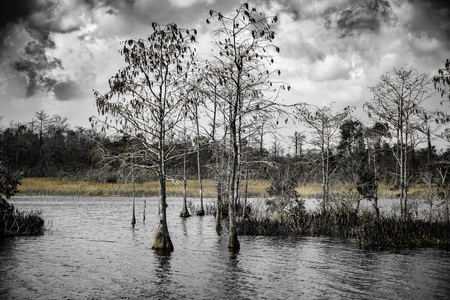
(184, 213)
(162, 241)
(233, 242)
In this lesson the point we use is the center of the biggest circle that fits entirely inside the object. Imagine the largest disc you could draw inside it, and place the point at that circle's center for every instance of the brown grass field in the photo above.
(256, 189)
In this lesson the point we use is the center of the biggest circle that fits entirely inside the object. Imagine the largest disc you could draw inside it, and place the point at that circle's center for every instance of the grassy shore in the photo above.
(256, 188)
(64, 187)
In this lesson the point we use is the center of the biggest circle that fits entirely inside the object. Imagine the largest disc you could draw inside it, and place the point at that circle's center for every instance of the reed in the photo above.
(14, 222)
(256, 189)
(359, 227)
(67, 187)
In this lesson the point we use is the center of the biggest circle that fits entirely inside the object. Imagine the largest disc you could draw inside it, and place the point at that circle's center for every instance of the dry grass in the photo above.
(256, 188)
(65, 187)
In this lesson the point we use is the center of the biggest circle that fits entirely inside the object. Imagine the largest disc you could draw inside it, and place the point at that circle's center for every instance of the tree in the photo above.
(369, 174)
(9, 180)
(212, 89)
(325, 124)
(398, 100)
(442, 84)
(196, 103)
(184, 211)
(145, 101)
(42, 119)
(299, 140)
(353, 158)
(243, 43)
(442, 80)
(284, 177)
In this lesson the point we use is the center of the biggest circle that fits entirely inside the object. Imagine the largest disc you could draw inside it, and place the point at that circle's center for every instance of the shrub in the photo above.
(13, 221)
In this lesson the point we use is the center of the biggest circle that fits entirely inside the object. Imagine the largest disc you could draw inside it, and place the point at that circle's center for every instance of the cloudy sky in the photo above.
(53, 54)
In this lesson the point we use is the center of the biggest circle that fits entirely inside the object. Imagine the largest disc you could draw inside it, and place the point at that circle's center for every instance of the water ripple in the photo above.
(92, 252)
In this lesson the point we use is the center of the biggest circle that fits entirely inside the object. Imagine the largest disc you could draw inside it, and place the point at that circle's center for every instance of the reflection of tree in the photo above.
(163, 274)
(234, 283)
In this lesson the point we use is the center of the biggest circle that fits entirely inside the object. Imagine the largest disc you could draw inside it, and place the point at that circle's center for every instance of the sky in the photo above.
(53, 54)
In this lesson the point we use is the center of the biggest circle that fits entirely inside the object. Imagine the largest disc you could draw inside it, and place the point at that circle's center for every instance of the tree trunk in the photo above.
(219, 168)
(201, 211)
(184, 212)
(405, 179)
(245, 193)
(233, 243)
(375, 171)
(133, 218)
(162, 237)
(428, 146)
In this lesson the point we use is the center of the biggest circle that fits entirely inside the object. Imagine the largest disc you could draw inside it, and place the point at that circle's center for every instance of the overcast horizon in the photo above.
(53, 54)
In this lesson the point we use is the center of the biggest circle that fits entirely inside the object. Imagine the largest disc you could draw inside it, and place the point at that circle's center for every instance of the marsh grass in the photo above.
(256, 189)
(66, 187)
(14, 222)
(362, 228)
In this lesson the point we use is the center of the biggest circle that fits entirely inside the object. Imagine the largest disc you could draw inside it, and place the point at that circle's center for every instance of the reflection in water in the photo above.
(183, 226)
(234, 283)
(163, 274)
(92, 252)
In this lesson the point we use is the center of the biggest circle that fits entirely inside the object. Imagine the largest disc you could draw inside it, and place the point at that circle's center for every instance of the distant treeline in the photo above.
(50, 147)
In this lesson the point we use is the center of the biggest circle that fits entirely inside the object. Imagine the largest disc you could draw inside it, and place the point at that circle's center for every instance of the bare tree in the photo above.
(196, 103)
(146, 99)
(299, 140)
(243, 45)
(325, 125)
(398, 100)
(184, 211)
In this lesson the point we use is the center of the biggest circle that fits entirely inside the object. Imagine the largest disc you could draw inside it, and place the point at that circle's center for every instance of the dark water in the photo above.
(92, 252)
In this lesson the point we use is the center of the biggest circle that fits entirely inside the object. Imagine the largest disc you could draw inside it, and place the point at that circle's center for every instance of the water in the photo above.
(92, 252)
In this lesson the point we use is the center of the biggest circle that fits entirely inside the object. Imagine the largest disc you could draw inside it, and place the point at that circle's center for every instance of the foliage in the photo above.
(367, 184)
(13, 221)
(324, 123)
(145, 101)
(47, 148)
(442, 80)
(284, 177)
(399, 99)
(364, 229)
(243, 47)
(9, 180)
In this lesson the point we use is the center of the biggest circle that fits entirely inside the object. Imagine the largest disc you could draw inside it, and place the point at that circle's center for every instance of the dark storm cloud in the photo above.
(359, 17)
(67, 90)
(431, 18)
(35, 65)
(39, 19)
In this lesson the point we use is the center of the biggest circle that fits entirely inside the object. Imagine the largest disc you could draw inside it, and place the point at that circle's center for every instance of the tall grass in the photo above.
(15, 222)
(66, 187)
(256, 189)
(360, 227)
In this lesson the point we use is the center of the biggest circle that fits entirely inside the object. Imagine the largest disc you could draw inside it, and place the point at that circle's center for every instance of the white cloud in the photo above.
(187, 3)
(331, 68)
